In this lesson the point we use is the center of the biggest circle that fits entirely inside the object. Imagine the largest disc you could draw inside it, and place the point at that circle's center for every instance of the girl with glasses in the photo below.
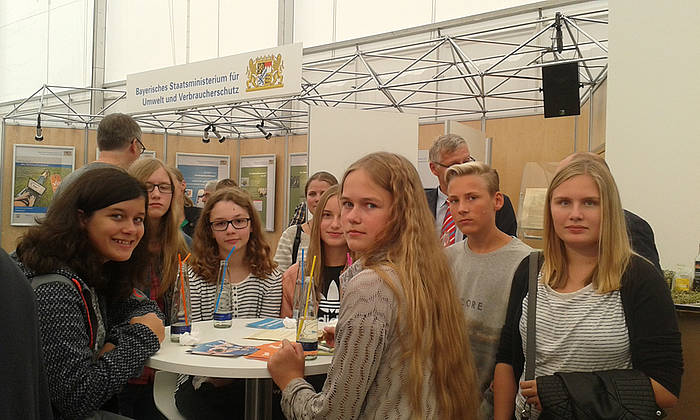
(228, 220)
(401, 349)
(165, 206)
(82, 260)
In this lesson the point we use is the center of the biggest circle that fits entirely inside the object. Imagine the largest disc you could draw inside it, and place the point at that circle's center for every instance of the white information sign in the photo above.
(200, 169)
(259, 74)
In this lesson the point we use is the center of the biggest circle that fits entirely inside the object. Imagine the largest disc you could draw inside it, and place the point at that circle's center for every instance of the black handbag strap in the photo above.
(297, 242)
(530, 348)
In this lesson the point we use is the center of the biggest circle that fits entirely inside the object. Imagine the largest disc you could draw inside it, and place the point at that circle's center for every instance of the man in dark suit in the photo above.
(448, 150)
(640, 233)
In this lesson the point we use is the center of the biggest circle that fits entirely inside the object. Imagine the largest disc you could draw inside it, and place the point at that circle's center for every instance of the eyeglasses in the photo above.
(469, 159)
(221, 225)
(163, 188)
(143, 148)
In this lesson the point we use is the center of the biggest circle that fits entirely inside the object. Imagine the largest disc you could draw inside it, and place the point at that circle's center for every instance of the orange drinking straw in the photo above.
(182, 284)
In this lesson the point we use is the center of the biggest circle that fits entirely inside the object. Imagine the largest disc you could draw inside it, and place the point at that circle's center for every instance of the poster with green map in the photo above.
(257, 176)
(298, 174)
(36, 174)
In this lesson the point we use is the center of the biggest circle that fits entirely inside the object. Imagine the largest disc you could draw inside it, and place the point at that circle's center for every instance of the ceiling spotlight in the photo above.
(222, 139)
(216, 133)
(262, 130)
(39, 136)
(205, 138)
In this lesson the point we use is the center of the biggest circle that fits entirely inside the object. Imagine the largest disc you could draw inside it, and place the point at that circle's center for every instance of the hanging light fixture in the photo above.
(205, 138)
(38, 136)
(262, 130)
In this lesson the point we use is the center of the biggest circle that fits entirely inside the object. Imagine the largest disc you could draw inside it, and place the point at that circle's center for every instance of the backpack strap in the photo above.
(57, 278)
(297, 242)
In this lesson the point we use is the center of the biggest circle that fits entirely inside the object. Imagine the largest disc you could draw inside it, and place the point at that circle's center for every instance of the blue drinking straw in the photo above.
(222, 278)
(302, 271)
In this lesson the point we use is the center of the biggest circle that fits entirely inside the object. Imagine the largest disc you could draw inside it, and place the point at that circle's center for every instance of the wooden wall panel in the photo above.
(582, 128)
(154, 141)
(527, 139)
(600, 100)
(476, 124)
(25, 135)
(428, 133)
(298, 144)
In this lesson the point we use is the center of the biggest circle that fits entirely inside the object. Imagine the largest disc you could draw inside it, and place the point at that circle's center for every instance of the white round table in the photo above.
(172, 357)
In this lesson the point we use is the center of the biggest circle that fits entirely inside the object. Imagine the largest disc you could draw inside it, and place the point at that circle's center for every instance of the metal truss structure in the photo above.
(466, 69)
(55, 104)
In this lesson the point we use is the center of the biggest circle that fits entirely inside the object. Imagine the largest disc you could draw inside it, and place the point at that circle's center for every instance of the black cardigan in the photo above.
(655, 340)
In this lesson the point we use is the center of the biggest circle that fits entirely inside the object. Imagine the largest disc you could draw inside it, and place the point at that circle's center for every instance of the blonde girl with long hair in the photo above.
(165, 206)
(600, 307)
(401, 349)
(228, 220)
(164, 215)
(330, 250)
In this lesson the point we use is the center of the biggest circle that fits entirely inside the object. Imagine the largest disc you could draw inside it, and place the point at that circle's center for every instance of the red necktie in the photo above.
(447, 233)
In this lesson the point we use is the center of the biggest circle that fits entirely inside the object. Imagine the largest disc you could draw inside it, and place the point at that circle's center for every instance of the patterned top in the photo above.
(80, 382)
(283, 255)
(581, 331)
(367, 378)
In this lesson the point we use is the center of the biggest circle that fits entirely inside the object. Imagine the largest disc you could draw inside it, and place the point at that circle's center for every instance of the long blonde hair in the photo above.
(433, 328)
(316, 248)
(614, 249)
(171, 240)
(205, 251)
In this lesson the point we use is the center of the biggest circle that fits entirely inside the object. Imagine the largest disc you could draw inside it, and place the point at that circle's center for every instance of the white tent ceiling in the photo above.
(485, 66)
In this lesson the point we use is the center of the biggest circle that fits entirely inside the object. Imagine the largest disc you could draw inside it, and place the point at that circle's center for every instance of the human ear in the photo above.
(82, 218)
(498, 200)
(433, 169)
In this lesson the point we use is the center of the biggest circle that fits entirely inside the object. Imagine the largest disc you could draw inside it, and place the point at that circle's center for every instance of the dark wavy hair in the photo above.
(61, 241)
(205, 250)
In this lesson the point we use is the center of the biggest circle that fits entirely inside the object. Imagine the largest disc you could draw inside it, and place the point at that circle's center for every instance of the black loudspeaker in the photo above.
(560, 84)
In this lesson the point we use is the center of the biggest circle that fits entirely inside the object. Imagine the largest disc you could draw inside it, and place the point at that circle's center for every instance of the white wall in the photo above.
(653, 107)
(338, 137)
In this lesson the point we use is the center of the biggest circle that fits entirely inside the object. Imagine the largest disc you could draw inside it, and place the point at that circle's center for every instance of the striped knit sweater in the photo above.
(367, 378)
(253, 297)
(283, 255)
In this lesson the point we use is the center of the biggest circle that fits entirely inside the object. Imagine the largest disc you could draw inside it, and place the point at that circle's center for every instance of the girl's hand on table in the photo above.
(329, 336)
(286, 364)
